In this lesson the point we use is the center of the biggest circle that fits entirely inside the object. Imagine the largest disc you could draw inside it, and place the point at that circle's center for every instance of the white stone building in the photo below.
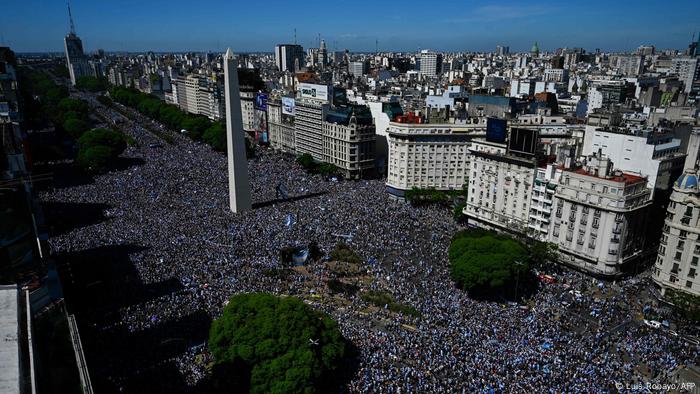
(599, 218)
(679, 251)
(426, 156)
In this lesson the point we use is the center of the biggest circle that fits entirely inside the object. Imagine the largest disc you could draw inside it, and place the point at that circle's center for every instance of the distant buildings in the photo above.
(200, 95)
(289, 57)
(75, 58)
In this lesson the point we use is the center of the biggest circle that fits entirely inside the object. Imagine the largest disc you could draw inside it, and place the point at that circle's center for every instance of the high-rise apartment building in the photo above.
(687, 69)
(430, 63)
(198, 94)
(311, 105)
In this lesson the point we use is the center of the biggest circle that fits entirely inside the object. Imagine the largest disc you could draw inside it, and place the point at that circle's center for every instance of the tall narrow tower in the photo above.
(238, 184)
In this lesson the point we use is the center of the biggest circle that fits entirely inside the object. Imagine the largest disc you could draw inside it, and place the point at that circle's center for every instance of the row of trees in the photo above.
(456, 198)
(326, 169)
(198, 127)
(92, 84)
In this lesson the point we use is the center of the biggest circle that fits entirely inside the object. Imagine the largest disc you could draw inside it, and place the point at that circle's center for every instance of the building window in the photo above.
(691, 273)
(694, 261)
(688, 284)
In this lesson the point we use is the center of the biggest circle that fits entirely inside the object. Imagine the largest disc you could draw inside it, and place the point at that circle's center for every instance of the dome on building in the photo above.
(688, 181)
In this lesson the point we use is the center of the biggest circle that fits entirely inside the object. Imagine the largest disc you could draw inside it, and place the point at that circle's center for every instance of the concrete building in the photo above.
(630, 66)
(239, 185)
(349, 140)
(289, 57)
(676, 265)
(603, 94)
(426, 156)
(556, 75)
(358, 68)
(311, 105)
(600, 218)
(430, 63)
(248, 109)
(280, 118)
(652, 153)
(492, 106)
(499, 188)
(687, 69)
(199, 95)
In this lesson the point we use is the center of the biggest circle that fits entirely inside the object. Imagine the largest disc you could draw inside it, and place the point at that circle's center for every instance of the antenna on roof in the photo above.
(376, 45)
(295, 36)
(70, 17)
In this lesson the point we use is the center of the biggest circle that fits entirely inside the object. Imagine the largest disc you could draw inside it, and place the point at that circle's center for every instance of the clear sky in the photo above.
(407, 25)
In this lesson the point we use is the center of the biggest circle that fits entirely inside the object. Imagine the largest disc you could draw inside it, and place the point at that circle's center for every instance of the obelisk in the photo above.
(238, 183)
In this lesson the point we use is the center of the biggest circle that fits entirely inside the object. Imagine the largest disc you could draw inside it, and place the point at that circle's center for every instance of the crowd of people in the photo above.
(566, 338)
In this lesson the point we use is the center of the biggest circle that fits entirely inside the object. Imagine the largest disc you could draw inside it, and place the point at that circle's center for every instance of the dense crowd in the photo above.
(572, 336)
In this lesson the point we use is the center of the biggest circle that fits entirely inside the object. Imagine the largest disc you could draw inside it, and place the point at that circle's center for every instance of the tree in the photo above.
(98, 147)
(76, 105)
(195, 125)
(95, 158)
(307, 161)
(215, 136)
(485, 263)
(287, 346)
(91, 84)
(75, 127)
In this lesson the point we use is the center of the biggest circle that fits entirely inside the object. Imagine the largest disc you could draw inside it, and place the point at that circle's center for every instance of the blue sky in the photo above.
(448, 25)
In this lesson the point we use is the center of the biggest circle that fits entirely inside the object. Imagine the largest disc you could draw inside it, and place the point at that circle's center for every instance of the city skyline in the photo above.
(461, 26)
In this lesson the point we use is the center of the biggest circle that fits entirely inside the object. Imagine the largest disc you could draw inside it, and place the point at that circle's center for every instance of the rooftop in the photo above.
(618, 176)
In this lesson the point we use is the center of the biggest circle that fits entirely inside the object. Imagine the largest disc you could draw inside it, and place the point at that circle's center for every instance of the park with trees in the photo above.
(489, 265)
(268, 344)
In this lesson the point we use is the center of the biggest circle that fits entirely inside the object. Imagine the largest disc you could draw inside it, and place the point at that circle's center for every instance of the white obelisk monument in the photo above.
(238, 183)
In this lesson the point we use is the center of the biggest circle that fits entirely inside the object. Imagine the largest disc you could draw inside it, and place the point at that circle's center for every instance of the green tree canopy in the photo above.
(76, 105)
(75, 127)
(483, 262)
(195, 125)
(98, 147)
(215, 136)
(287, 346)
(92, 84)
(95, 158)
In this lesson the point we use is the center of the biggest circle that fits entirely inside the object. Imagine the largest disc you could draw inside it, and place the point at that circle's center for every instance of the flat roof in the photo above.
(626, 178)
(9, 343)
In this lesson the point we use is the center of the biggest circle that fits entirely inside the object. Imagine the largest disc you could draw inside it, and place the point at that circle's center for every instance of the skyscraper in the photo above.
(75, 58)
(239, 186)
(289, 57)
(430, 63)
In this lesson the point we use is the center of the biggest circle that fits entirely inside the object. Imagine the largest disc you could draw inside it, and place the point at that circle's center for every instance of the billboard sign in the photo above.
(261, 101)
(313, 91)
(288, 106)
(496, 130)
